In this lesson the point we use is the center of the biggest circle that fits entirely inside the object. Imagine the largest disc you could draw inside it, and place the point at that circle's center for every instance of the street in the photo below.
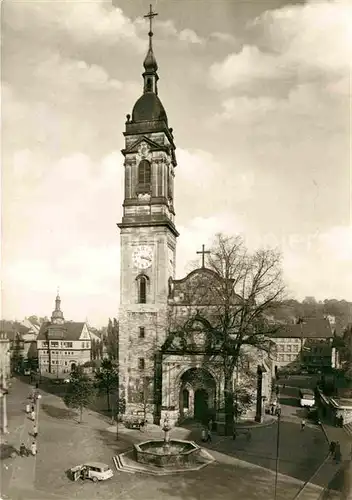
(242, 469)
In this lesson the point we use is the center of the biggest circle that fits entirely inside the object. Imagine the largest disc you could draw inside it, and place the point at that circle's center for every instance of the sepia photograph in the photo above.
(176, 250)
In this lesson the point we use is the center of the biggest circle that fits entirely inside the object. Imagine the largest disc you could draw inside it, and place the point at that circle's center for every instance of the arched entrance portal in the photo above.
(201, 405)
(197, 394)
(73, 367)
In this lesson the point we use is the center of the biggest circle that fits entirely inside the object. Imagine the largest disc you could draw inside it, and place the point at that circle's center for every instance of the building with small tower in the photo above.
(62, 345)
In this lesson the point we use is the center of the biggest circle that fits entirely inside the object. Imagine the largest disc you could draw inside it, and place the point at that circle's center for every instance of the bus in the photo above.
(306, 398)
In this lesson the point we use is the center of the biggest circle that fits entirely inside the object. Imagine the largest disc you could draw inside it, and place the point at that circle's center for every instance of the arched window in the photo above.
(144, 173)
(142, 282)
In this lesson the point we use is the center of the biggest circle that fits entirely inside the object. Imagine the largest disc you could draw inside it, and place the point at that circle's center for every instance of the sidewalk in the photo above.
(338, 434)
(18, 471)
(23, 468)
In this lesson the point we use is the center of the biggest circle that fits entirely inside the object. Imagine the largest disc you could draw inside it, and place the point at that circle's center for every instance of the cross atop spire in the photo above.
(150, 16)
(203, 252)
(150, 65)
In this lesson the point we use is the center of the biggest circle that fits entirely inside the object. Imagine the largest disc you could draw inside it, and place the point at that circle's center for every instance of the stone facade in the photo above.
(5, 356)
(152, 379)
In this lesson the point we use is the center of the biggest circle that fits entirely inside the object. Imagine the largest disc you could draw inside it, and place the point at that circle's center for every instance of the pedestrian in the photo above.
(211, 424)
(283, 387)
(208, 439)
(234, 435)
(204, 434)
(35, 431)
(272, 409)
(337, 453)
(33, 415)
(34, 449)
(28, 409)
(332, 448)
(303, 424)
(33, 408)
(278, 411)
(23, 450)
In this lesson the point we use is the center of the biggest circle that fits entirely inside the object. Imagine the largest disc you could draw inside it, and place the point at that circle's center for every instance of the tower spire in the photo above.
(57, 315)
(150, 65)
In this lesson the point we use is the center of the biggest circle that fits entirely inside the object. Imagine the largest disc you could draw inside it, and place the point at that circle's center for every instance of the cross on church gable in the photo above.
(203, 252)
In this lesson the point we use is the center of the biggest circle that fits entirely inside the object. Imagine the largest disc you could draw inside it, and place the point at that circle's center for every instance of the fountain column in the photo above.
(166, 429)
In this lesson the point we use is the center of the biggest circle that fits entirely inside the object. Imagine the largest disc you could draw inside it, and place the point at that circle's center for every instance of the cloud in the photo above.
(321, 262)
(294, 42)
(190, 36)
(224, 37)
(67, 224)
(197, 174)
(85, 23)
(71, 74)
(202, 230)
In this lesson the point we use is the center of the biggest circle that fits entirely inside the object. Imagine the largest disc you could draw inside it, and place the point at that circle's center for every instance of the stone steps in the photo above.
(121, 466)
(348, 428)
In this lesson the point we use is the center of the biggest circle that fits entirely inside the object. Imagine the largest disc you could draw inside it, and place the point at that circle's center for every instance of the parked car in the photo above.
(96, 471)
(134, 420)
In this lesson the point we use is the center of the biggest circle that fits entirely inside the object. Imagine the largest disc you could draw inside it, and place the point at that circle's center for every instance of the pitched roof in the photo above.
(309, 328)
(94, 336)
(71, 330)
(12, 329)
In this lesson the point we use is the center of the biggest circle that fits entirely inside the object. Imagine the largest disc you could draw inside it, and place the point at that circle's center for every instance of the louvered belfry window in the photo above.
(144, 176)
(142, 290)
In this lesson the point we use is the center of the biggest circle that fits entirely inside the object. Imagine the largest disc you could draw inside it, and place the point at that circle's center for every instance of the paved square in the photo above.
(242, 470)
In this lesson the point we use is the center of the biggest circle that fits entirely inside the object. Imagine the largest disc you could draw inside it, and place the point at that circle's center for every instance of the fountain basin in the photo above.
(178, 453)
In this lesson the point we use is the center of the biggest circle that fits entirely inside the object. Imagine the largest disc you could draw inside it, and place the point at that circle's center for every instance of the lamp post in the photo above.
(277, 454)
(4, 403)
(37, 398)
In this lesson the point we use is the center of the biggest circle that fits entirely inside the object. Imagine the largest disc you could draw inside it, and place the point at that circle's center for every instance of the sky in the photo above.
(257, 93)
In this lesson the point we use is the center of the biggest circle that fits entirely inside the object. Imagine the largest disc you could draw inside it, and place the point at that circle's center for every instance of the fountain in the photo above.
(164, 456)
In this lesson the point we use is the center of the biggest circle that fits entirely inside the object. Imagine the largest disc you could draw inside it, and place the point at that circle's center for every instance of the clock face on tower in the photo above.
(143, 257)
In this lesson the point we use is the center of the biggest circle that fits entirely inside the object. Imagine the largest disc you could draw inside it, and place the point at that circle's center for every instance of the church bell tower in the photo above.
(147, 238)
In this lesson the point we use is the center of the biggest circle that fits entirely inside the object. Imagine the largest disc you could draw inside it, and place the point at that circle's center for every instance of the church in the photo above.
(157, 374)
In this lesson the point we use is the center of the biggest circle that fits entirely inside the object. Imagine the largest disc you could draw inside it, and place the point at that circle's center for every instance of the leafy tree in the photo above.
(244, 398)
(121, 406)
(112, 340)
(106, 379)
(33, 319)
(79, 392)
(100, 350)
(93, 349)
(242, 289)
(146, 396)
(17, 359)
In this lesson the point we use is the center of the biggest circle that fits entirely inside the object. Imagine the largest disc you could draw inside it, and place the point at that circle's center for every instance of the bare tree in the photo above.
(231, 301)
